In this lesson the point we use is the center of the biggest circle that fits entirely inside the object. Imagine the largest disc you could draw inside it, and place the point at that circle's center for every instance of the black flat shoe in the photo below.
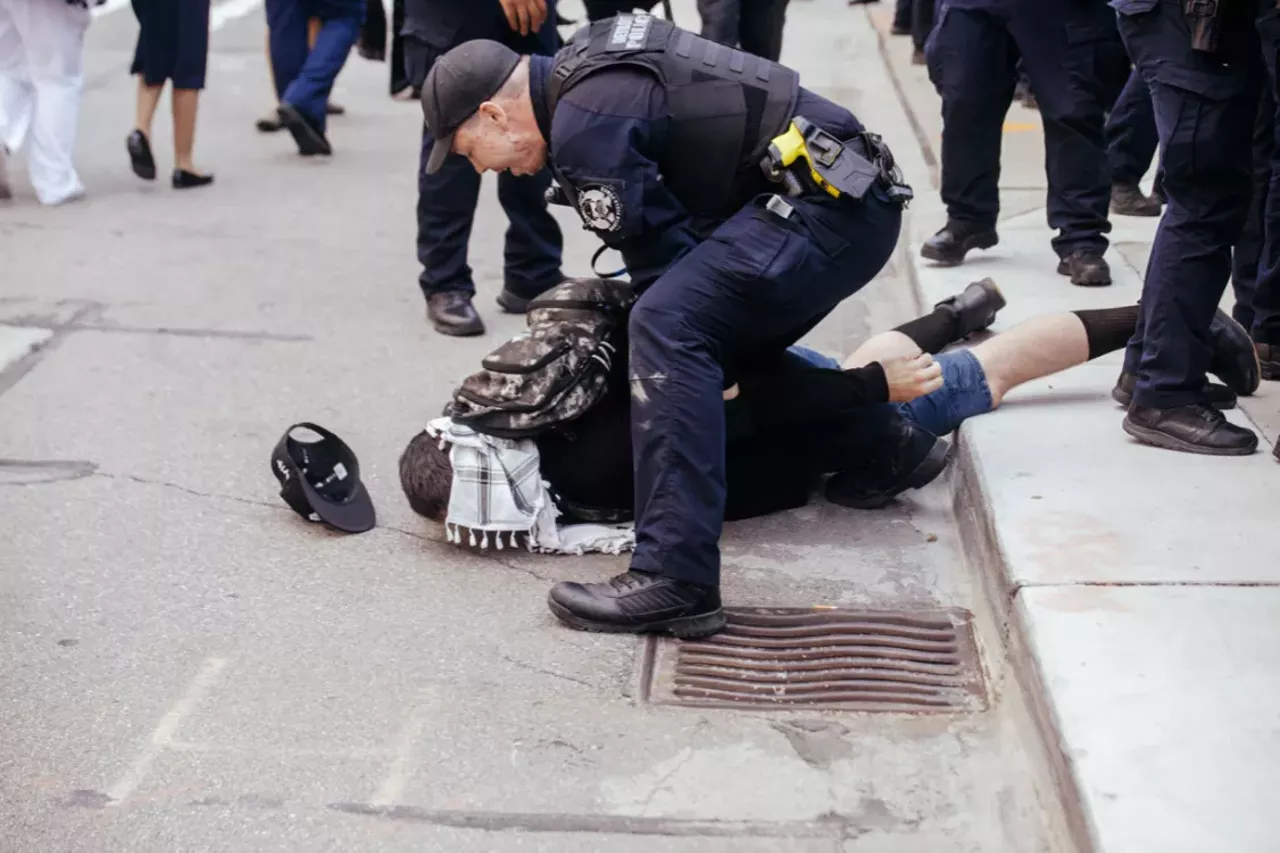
(184, 180)
(269, 124)
(335, 109)
(144, 165)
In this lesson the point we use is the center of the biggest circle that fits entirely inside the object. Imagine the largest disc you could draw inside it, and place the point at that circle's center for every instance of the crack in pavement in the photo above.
(143, 480)
(661, 783)
(531, 668)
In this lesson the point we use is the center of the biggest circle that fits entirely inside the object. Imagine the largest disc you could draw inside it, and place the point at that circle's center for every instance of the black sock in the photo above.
(1108, 329)
(932, 332)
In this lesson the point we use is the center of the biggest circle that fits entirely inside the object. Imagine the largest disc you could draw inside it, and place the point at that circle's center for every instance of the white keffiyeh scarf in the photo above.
(498, 489)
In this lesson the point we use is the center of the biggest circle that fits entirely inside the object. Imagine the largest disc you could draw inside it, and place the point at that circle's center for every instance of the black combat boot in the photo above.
(910, 457)
(1218, 396)
(1234, 359)
(1268, 360)
(1194, 428)
(451, 313)
(637, 602)
(1086, 267)
(975, 307)
(1128, 200)
(956, 239)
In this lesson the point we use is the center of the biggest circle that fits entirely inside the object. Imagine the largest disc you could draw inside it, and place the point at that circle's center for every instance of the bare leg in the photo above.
(148, 100)
(185, 102)
(880, 347)
(1037, 347)
(313, 30)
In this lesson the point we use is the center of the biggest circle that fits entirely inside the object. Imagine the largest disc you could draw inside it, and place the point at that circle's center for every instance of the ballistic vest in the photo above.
(725, 105)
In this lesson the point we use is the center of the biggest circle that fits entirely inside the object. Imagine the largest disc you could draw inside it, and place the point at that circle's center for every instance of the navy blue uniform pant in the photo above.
(1205, 109)
(447, 199)
(1131, 132)
(753, 25)
(1246, 260)
(304, 77)
(759, 281)
(972, 58)
(1264, 302)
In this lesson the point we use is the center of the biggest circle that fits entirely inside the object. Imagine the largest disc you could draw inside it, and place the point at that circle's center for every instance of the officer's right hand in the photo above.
(525, 16)
(909, 377)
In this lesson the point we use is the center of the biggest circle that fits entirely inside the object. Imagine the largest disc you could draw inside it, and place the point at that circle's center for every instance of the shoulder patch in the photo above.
(600, 207)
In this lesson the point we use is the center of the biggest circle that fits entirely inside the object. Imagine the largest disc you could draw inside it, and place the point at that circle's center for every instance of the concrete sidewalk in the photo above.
(1138, 584)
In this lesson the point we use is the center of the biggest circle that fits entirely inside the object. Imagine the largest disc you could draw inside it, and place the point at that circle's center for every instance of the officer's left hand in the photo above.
(525, 16)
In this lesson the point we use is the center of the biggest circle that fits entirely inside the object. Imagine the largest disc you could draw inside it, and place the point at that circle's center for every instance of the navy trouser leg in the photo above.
(922, 18)
(757, 277)
(309, 90)
(971, 61)
(1206, 137)
(1266, 298)
(1131, 132)
(1065, 59)
(534, 242)
(760, 27)
(1246, 258)
(446, 211)
(287, 40)
(902, 15)
(720, 20)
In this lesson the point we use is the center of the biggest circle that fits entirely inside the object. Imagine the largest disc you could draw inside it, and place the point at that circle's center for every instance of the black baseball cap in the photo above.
(459, 82)
(320, 480)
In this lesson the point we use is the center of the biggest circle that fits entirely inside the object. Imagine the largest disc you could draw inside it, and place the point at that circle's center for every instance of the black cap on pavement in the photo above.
(322, 478)
(459, 82)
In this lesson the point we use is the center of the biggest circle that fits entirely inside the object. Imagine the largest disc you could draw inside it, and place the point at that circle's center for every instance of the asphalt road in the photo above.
(186, 665)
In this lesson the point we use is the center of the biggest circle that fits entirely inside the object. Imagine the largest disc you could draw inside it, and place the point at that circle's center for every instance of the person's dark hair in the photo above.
(426, 475)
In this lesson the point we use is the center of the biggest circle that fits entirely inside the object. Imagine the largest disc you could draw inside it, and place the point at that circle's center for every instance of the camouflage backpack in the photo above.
(555, 371)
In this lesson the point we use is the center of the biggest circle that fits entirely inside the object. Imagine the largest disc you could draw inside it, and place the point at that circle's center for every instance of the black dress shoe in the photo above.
(1086, 267)
(1192, 429)
(638, 602)
(1234, 359)
(956, 239)
(911, 459)
(1128, 200)
(305, 132)
(1218, 396)
(1268, 360)
(975, 307)
(144, 165)
(184, 180)
(451, 313)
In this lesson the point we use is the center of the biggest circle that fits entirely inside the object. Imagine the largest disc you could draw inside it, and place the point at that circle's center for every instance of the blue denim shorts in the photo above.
(964, 392)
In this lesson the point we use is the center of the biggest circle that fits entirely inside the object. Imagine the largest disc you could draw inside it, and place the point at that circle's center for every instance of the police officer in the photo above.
(447, 196)
(657, 137)
(1205, 77)
(1131, 146)
(1264, 302)
(971, 57)
(304, 77)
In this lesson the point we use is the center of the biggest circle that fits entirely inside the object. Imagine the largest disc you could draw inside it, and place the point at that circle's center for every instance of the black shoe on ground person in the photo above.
(637, 602)
(1195, 428)
(975, 307)
(911, 459)
(1235, 359)
(956, 239)
(1086, 267)
(451, 313)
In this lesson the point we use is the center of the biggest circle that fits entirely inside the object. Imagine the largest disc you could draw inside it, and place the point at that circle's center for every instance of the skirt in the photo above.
(173, 42)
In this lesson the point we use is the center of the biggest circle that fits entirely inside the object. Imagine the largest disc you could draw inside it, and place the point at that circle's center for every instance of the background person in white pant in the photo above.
(41, 80)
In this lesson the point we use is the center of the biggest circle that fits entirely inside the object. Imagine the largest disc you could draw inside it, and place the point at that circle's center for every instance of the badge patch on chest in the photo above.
(601, 208)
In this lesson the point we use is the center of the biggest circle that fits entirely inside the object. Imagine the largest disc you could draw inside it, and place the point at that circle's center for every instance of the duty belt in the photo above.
(806, 159)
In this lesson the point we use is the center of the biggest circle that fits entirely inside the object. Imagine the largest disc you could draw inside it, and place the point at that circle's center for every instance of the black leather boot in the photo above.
(451, 313)
(956, 239)
(975, 307)
(1128, 200)
(1234, 359)
(637, 602)
(1195, 428)
(910, 457)
(1219, 396)
(1086, 267)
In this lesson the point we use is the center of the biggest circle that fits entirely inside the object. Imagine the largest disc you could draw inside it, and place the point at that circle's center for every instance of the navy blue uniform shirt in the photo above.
(608, 136)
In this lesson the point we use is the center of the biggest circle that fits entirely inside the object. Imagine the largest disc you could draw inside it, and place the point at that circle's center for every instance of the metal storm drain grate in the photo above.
(823, 658)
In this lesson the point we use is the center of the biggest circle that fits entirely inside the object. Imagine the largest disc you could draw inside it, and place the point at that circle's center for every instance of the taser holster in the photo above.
(805, 159)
